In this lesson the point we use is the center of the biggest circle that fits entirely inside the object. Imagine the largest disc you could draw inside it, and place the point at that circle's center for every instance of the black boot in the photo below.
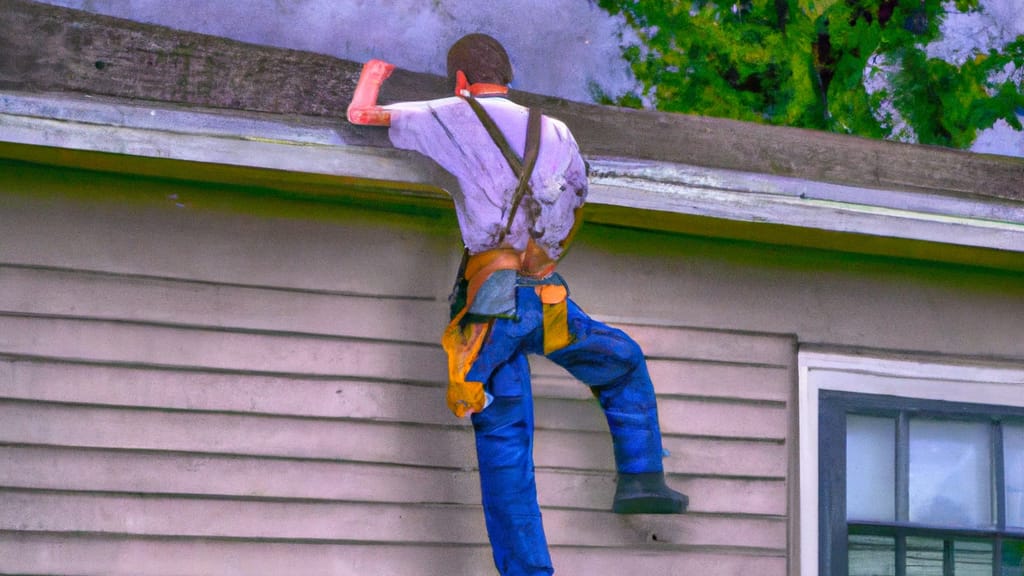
(646, 493)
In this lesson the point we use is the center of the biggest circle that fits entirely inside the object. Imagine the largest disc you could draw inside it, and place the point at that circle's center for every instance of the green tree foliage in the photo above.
(803, 62)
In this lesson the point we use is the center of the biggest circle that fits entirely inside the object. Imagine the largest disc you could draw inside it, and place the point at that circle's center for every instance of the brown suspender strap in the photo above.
(499, 139)
(523, 169)
(530, 153)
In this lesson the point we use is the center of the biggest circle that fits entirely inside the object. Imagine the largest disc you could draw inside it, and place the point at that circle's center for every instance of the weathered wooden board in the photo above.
(98, 295)
(178, 391)
(712, 345)
(190, 389)
(683, 378)
(51, 48)
(191, 303)
(358, 521)
(351, 440)
(106, 226)
(66, 425)
(197, 474)
(121, 342)
(698, 417)
(322, 396)
(692, 417)
(86, 554)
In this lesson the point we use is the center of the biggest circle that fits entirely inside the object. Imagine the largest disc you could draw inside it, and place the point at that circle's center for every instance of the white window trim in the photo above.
(996, 383)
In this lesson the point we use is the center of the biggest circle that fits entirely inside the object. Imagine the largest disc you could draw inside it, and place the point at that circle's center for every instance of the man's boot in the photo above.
(646, 493)
(632, 415)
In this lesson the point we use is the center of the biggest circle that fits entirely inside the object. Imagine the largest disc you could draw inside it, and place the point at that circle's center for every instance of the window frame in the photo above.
(834, 408)
(969, 381)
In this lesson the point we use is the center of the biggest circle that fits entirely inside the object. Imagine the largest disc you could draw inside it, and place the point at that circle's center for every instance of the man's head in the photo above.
(481, 58)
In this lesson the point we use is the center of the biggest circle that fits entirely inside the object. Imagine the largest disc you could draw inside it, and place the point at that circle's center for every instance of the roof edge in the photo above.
(301, 153)
(55, 49)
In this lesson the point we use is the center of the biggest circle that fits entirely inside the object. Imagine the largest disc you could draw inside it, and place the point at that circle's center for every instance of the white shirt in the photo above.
(449, 132)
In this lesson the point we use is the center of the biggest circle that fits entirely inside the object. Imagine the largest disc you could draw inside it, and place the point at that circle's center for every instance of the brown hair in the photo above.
(481, 58)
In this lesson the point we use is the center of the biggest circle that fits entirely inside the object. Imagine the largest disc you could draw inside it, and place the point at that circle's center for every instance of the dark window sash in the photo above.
(834, 530)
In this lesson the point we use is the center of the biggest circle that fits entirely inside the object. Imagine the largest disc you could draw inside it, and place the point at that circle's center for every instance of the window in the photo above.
(909, 468)
(919, 487)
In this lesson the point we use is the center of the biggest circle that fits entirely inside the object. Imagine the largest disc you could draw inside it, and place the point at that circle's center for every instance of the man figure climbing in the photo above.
(522, 183)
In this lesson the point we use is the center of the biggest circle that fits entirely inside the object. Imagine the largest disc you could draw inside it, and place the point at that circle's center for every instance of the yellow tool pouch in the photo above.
(554, 299)
(462, 340)
(462, 343)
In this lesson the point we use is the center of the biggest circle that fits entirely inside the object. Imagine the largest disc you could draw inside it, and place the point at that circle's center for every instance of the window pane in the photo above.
(924, 556)
(972, 558)
(950, 473)
(1013, 550)
(1013, 444)
(870, 468)
(872, 555)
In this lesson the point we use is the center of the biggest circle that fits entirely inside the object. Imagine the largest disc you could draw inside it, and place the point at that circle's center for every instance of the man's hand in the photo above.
(364, 109)
(378, 70)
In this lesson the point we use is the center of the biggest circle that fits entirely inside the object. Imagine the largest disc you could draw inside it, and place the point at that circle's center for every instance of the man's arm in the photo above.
(364, 109)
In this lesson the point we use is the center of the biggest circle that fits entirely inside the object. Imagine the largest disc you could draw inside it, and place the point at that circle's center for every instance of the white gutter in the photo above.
(303, 145)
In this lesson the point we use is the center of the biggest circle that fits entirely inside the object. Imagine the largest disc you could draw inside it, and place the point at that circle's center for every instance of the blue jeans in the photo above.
(604, 358)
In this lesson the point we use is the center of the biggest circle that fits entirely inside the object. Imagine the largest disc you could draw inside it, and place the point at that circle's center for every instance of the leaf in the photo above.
(815, 8)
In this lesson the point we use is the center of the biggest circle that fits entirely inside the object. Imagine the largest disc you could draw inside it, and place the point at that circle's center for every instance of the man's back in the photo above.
(448, 131)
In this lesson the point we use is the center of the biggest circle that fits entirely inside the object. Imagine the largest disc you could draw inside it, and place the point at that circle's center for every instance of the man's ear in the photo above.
(461, 83)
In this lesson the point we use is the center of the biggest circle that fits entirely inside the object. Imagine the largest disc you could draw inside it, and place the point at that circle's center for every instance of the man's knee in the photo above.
(625, 350)
(621, 356)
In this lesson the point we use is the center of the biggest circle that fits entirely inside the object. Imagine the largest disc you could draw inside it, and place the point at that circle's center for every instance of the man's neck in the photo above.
(482, 89)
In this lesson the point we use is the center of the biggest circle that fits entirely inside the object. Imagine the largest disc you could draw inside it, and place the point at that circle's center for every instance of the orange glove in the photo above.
(364, 109)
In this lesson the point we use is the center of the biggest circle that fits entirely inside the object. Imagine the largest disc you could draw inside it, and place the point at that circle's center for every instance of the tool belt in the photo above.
(462, 340)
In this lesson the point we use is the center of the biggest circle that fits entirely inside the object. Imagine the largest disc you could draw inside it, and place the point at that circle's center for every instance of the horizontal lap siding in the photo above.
(113, 556)
(274, 403)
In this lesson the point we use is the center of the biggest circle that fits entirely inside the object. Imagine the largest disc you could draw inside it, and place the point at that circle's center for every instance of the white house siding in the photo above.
(196, 380)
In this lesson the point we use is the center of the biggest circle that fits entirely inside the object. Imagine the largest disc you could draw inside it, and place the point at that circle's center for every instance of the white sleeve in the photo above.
(425, 128)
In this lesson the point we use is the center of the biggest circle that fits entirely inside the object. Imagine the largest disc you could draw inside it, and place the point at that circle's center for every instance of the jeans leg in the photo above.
(504, 446)
(613, 365)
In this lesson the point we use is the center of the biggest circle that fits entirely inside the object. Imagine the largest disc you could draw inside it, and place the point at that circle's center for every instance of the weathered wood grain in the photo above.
(78, 426)
(174, 390)
(88, 554)
(192, 389)
(112, 342)
(692, 417)
(196, 474)
(712, 345)
(51, 48)
(332, 397)
(168, 229)
(683, 377)
(181, 302)
(686, 361)
(358, 521)
(120, 342)
(352, 440)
